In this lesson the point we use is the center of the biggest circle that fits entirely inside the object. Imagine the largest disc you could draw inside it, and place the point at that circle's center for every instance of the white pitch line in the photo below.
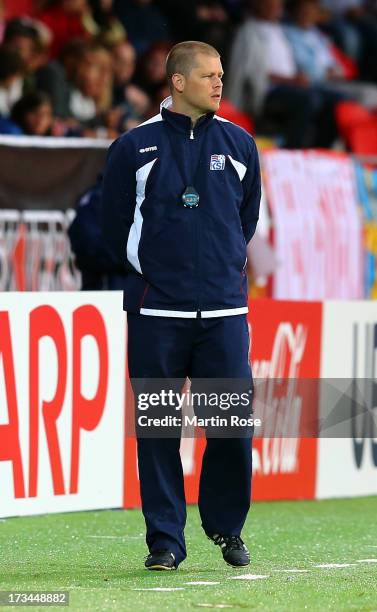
(208, 605)
(334, 565)
(202, 582)
(292, 571)
(366, 561)
(248, 577)
(109, 537)
(161, 589)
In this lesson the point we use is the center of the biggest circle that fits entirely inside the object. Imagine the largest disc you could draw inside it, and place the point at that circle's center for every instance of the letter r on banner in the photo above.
(45, 321)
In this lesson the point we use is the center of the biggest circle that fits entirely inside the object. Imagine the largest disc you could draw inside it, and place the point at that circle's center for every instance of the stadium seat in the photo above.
(230, 112)
(348, 116)
(349, 67)
(363, 137)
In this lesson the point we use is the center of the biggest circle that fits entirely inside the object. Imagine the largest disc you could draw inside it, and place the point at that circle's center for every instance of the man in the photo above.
(181, 201)
(11, 75)
(277, 90)
(99, 268)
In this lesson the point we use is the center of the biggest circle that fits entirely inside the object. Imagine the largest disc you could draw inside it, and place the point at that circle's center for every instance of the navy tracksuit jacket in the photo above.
(186, 295)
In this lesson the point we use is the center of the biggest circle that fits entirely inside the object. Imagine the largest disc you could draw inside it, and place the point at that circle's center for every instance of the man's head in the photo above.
(124, 62)
(22, 35)
(305, 13)
(194, 73)
(12, 67)
(267, 10)
(75, 7)
(33, 113)
(94, 74)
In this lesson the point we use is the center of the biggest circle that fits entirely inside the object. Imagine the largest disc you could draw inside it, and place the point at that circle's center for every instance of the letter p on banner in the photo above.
(86, 413)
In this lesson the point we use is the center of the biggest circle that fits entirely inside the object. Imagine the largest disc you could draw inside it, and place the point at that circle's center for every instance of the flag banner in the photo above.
(367, 192)
(317, 229)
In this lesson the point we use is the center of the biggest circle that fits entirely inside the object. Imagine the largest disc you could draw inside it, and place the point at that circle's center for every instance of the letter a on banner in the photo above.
(9, 434)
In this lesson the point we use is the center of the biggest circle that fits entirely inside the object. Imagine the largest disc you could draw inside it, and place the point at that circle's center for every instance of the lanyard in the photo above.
(190, 197)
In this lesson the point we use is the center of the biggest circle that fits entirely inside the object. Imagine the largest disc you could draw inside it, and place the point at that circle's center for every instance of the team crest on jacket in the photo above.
(217, 162)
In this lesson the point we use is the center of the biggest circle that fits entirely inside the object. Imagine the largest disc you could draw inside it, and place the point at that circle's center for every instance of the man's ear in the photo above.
(178, 81)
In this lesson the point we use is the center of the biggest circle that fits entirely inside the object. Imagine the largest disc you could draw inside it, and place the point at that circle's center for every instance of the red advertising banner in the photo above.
(64, 443)
(192, 450)
(61, 402)
(285, 343)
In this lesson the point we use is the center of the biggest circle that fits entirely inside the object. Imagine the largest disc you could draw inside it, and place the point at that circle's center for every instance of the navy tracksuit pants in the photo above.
(166, 347)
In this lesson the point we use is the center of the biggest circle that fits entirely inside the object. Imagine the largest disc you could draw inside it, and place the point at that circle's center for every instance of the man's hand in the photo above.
(299, 80)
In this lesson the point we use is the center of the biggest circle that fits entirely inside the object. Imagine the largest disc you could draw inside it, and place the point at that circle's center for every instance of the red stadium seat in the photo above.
(19, 8)
(230, 112)
(363, 137)
(349, 67)
(348, 115)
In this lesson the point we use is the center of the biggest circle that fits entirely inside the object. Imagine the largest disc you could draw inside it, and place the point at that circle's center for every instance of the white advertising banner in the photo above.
(317, 229)
(62, 386)
(347, 465)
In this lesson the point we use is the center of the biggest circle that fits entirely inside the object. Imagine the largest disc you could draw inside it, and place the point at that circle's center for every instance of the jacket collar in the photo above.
(182, 123)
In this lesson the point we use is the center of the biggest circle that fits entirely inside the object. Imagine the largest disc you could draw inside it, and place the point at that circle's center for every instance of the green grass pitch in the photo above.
(98, 557)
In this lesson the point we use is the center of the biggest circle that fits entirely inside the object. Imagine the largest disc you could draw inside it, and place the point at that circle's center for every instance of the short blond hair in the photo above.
(181, 58)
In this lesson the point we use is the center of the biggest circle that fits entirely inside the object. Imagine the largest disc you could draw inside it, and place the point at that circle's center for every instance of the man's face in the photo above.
(271, 10)
(24, 46)
(39, 120)
(203, 86)
(74, 6)
(124, 62)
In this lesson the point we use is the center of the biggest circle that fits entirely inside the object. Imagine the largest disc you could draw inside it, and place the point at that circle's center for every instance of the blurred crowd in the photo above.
(97, 67)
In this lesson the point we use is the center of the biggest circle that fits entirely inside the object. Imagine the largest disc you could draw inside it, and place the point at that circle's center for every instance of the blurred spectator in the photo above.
(108, 28)
(33, 114)
(91, 95)
(314, 55)
(206, 20)
(57, 77)
(144, 23)
(124, 66)
(26, 37)
(9, 128)
(98, 266)
(354, 28)
(30, 40)
(213, 25)
(183, 24)
(2, 20)
(66, 21)
(132, 101)
(264, 77)
(11, 79)
(151, 75)
(70, 56)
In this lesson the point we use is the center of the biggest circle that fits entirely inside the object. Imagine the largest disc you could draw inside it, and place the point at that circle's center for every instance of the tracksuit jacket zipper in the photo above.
(196, 227)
